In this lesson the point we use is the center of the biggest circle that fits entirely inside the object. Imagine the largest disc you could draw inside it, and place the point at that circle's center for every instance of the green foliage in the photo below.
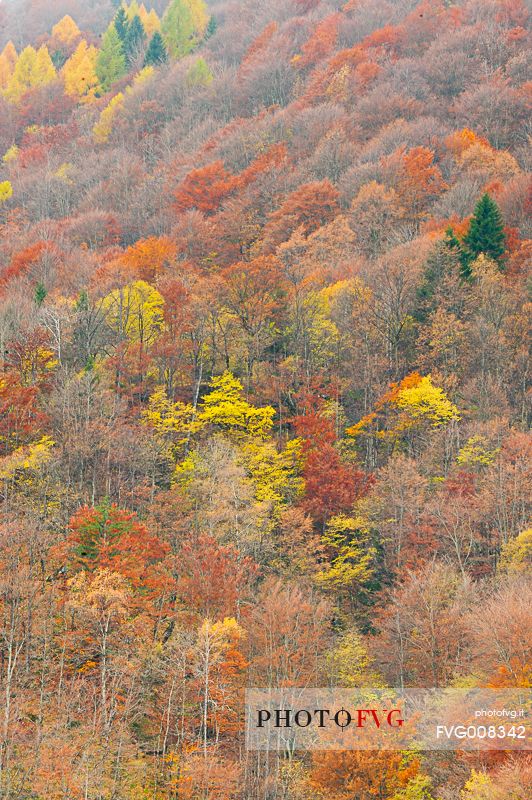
(183, 26)
(212, 27)
(40, 294)
(486, 232)
(135, 38)
(178, 29)
(199, 73)
(111, 61)
(156, 53)
(454, 246)
(121, 24)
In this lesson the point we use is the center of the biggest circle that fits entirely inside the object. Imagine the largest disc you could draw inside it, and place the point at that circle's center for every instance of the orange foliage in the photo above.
(461, 140)
(321, 43)
(419, 179)
(148, 258)
(307, 208)
(205, 188)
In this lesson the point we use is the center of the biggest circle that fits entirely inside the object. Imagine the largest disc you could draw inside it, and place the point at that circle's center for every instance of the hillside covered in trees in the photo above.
(264, 397)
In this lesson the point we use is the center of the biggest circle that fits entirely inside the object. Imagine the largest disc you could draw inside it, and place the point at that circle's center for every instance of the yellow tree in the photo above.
(34, 68)
(150, 20)
(8, 59)
(225, 408)
(6, 191)
(66, 30)
(79, 73)
(135, 312)
(103, 127)
(200, 16)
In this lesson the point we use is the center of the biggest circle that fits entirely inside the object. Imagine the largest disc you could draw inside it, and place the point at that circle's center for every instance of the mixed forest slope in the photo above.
(264, 396)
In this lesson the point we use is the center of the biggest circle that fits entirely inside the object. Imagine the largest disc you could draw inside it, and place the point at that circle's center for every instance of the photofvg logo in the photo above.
(390, 719)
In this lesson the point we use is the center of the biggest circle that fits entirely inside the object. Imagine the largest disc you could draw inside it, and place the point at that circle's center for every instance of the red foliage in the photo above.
(307, 208)
(114, 539)
(214, 579)
(22, 263)
(257, 47)
(331, 487)
(19, 413)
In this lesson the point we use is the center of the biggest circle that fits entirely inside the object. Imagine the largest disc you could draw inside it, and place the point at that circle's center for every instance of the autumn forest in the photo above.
(264, 400)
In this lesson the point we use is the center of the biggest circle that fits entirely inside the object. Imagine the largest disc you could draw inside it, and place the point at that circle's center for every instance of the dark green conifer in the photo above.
(156, 53)
(135, 38)
(40, 294)
(121, 23)
(486, 232)
(455, 247)
(212, 25)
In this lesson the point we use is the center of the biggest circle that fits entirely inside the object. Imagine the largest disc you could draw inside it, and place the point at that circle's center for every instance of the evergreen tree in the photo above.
(455, 247)
(121, 24)
(486, 231)
(40, 294)
(111, 61)
(135, 38)
(443, 262)
(178, 28)
(212, 25)
(156, 53)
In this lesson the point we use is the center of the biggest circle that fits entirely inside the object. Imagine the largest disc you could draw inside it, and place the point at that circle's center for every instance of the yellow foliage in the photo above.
(11, 154)
(150, 20)
(102, 129)
(219, 637)
(352, 559)
(275, 474)
(8, 59)
(29, 458)
(79, 73)
(478, 787)
(200, 16)
(516, 554)
(426, 401)
(171, 422)
(350, 663)
(132, 10)
(497, 164)
(476, 451)
(141, 77)
(136, 311)
(225, 408)
(66, 30)
(64, 172)
(34, 68)
(6, 191)
(416, 399)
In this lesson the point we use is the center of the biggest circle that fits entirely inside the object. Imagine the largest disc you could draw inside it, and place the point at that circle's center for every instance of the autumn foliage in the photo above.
(264, 385)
